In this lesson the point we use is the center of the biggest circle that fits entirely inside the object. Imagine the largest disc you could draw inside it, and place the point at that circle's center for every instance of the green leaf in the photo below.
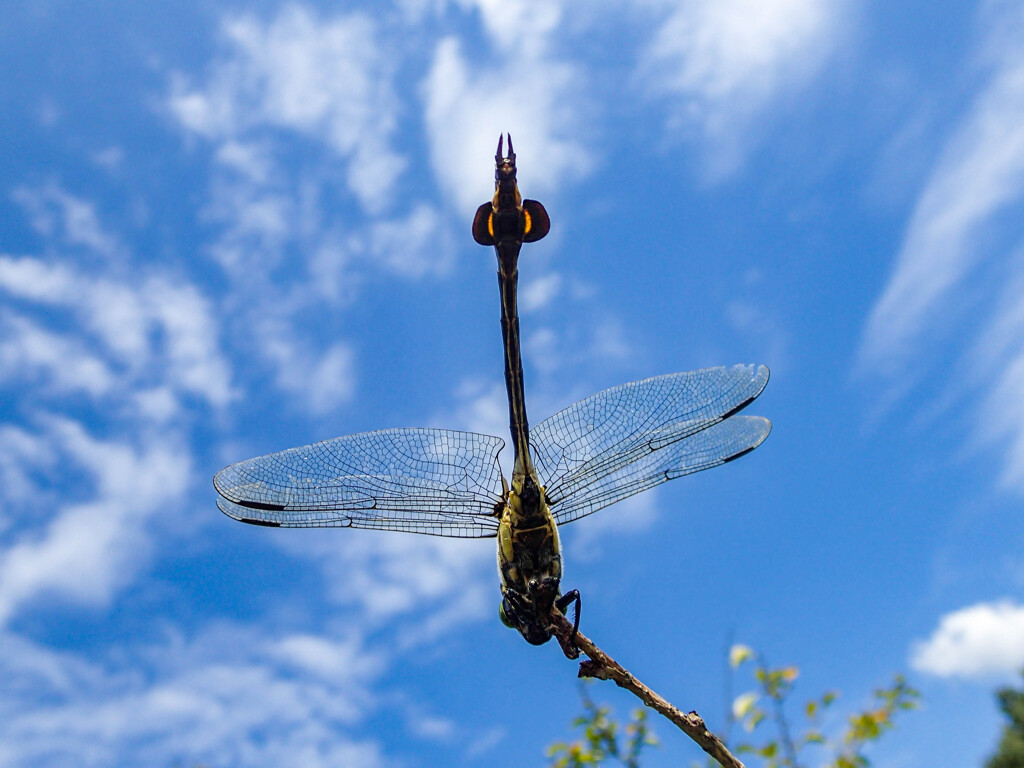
(743, 704)
(738, 654)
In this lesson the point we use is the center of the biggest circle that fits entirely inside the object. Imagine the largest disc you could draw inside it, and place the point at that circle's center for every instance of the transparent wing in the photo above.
(632, 437)
(432, 481)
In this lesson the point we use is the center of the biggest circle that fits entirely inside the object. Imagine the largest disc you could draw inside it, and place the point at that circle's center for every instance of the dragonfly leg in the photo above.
(512, 609)
(564, 602)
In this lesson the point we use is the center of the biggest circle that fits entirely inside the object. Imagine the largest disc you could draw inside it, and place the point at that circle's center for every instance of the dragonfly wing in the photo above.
(710, 447)
(623, 440)
(431, 481)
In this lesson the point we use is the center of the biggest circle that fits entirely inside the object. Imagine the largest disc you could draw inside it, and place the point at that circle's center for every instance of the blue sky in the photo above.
(228, 229)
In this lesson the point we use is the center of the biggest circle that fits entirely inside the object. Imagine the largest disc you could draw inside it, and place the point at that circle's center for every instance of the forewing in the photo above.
(432, 481)
(623, 440)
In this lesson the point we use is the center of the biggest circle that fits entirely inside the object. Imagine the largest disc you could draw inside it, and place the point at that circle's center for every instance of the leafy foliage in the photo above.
(783, 750)
(601, 739)
(765, 706)
(1010, 753)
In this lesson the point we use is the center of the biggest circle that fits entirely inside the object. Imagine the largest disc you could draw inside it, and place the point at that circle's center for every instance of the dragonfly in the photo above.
(597, 451)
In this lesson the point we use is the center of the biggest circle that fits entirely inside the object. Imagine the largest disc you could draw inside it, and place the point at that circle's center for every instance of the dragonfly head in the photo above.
(530, 613)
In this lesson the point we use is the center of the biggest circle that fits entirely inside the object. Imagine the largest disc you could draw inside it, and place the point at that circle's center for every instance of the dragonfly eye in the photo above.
(506, 613)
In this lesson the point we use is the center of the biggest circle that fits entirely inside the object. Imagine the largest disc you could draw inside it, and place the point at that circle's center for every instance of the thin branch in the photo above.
(780, 717)
(603, 667)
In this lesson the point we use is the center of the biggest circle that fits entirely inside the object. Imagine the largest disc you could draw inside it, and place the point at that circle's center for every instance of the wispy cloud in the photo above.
(84, 324)
(232, 695)
(536, 293)
(63, 217)
(83, 510)
(998, 359)
(25, 458)
(959, 266)
(482, 407)
(718, 65)
(323, 379)
(749, 317)
(89, 547)
(387, 576)
(59, 365)
(980, 173)
(980, 640)
(112, 347)
(289, 230)
(528, 91)
(601, 532)
(329, 79)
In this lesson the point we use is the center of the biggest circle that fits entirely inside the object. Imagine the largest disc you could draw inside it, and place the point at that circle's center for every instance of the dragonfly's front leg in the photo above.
(572, 651)
(564, 602)
(512, 609)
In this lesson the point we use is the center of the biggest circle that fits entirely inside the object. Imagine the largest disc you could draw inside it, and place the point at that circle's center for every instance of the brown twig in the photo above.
(603, 667)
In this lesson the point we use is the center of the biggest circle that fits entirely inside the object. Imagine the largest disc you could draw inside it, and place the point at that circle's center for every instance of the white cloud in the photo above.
(959, 267)
(157, 405)
(998, 359)
(344, 661)
(598, 339)
(124, 317)
(194, 362)
(287, 236)
(609, 341)
(252, 160)
(482, 406)
(36, 280)
(327, 79)
(87, 550)
(537, 293)
(280, 257)
(257, 218)
(234, 695)
(977, 641)
(23, 455)
(601, 531)
(80, 506)
(390, 574)
(110, 159)
(537, 98)
(60, 216)
(721, 62)
(64, 365)
(325, 379)
(519, 27)
(751, 319)
(980, 172)
(432, 727)
(412, 246)
(486, 743)
(329, 381)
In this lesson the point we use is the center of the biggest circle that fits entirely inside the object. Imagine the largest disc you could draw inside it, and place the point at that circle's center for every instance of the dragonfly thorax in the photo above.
(529, 561)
